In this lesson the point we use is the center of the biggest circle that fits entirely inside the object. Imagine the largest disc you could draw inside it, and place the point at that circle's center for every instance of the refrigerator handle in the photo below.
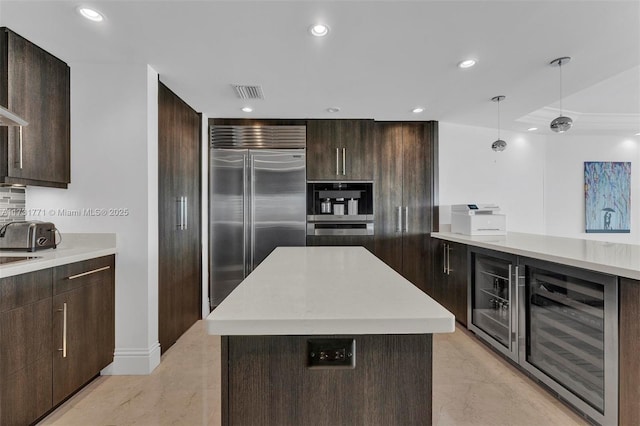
(252, 204)
(245, 214)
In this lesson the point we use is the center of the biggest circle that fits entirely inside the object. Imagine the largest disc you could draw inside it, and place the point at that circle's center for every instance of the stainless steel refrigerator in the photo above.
(257, 201)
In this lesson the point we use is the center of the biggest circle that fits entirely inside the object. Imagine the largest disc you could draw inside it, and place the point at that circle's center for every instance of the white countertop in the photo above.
(73, 248)
(611, 258)
(327, 290)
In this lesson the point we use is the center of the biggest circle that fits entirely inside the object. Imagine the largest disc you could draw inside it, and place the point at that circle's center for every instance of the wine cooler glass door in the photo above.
(493, 306)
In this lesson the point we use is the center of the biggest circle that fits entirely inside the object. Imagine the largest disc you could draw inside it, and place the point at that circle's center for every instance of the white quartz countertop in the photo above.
(327, 290)
(72, 248)
(611, 258)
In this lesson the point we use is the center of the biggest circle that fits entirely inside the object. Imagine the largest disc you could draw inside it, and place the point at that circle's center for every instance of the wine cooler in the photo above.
(493, 308)
(568, 330)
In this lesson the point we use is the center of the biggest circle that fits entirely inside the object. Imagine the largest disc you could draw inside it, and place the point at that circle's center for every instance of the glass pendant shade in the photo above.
(499, 145)
(562, 123)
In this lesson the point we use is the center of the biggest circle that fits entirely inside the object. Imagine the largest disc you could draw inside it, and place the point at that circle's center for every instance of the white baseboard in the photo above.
(133, 361)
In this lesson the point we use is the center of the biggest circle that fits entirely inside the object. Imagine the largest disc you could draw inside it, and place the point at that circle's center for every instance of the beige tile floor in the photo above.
(471, 386)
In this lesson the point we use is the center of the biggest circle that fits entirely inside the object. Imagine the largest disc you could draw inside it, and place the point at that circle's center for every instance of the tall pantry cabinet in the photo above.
(405, 187)
(179, 259)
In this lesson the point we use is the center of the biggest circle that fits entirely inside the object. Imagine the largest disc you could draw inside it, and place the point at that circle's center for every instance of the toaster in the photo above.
(27, 236)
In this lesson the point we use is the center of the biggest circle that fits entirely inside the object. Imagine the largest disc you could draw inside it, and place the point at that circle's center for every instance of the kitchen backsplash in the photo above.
(12, 202)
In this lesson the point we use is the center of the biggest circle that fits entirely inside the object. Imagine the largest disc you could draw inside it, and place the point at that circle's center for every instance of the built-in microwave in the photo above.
(340, 208)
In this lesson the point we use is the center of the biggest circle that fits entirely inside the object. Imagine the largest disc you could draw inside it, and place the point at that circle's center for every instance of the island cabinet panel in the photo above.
(365, 241)
(405, 168)
(25, 347)
(35, 85)
(449, 282)
(629, 341)
(266, 381)
(339, 149)
(179, 286)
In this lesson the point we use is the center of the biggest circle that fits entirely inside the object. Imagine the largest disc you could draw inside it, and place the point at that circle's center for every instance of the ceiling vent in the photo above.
(248, 92)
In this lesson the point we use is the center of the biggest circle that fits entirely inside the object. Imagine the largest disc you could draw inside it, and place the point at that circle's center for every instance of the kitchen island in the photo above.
(327, 335)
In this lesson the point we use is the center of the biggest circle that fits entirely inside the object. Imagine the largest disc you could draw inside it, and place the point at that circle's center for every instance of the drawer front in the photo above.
(79, 274)
(24, 289)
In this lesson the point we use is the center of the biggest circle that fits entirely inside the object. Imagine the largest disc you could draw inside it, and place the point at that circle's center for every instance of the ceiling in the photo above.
(380, 59)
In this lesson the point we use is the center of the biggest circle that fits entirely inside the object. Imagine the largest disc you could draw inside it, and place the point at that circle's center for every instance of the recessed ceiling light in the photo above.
(417, 110)
(90, 14)
(247, 109)
(319, 30)
(532, 129)
(467, 63)
(638, 134)
(333, 109)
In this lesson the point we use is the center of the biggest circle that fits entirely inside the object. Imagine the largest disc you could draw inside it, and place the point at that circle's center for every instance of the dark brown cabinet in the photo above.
(56, 334)
(179, 217)
(365, 241)
(35, 85)
(83, 323)
(449, 281)
(404, 171)
(340, 149)
(629, 347)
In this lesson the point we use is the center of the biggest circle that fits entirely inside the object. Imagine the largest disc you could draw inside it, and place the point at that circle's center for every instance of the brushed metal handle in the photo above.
(93, 271)
(182, 212)
(344, 161)
(20, 144)
(64, 330)
(337, 161)
(185, 215)
(444, 258)
(406, 219)
(448, 259)
(399, 221)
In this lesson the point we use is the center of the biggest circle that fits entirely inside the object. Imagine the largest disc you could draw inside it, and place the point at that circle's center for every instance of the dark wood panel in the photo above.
(629, 348)
(25, 395)
(357, 139)
(39, 91)
(323, 159)
(268, 383)
(179, 151)
(23, 289)
(388, 194)
(457, 280)
(91, 267)
(417, 199)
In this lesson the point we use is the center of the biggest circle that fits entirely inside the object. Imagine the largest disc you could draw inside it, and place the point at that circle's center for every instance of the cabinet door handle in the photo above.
(399, 220)
(344, 161)
(337, 161)
(182, 212)
(64, 330)
(448, 259)
(20, 145)
(406, 220)
(444, 259)
(73, 277)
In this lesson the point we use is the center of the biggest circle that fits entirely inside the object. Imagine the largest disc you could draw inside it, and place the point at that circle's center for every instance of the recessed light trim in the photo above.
(467, 63)
(319, 30)
(90, 14)
(333, 109)
(247, 109)
(532, 129)
(417, 110)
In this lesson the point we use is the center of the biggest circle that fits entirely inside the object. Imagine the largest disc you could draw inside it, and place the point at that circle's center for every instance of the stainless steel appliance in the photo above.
(257, 199)
(493, 310)
(27, 236)
(569, 335)
(351, 208)
(558, 322)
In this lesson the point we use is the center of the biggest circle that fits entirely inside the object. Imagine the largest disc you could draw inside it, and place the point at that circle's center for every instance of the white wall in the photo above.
(538, 180)
(471, 172)
(114, 164)
(564, 183)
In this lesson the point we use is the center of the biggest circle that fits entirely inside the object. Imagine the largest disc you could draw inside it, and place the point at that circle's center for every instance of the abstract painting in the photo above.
(607, 191)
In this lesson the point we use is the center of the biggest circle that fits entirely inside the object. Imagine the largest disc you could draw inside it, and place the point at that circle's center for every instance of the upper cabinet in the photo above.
(34, 85)
(340, 149)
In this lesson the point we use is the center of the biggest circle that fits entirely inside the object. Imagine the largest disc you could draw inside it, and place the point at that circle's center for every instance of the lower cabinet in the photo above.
(449, 282)
(57, 331)
(365, 241)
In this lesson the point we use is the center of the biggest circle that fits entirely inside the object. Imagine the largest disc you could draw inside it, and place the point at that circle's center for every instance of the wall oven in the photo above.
(340, 208)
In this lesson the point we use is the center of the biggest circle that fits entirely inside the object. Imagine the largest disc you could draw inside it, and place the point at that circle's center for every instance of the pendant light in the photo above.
(561, 124)
(499, 145)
